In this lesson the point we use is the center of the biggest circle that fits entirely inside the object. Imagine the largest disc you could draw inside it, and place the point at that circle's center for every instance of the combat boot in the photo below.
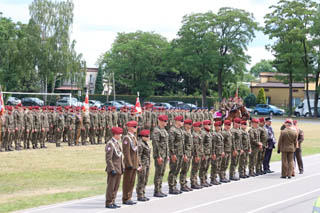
(184, 188)
(174, 191)
(158, 194)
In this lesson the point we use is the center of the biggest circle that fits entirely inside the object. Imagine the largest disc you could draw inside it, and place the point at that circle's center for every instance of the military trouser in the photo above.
(65, 134)
(17, 139)
(100, 134)
(216, 167)
(92, 135)
(224, 164)
(35, 138)
(253, 160)
(195, 170)
(26, 139)
(287, 164)
(8, 140)
(129, 177)
(184, 171)
(204, 167)
(243, 163)
(143, 176)
(174, 171)
(159, 173)
(84, 134)
(234, 163)
(51, 137)
(113, 183)
(77, 134)
(71, 136)
(260, 159)
(58, 136)
(1, 142)
(42, 138)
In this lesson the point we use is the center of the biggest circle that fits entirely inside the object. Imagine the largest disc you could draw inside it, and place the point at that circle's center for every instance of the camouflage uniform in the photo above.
(254, 136)
(93, 127)
(188, 146)
(28, 124)
(19, 125)
(218, 149)
(205, 163)
(143, 175)
(236, 147)
(197, 152)
(101, 126)
(36, 129)
(243, 161)
(44, 129)
(227, 136)
(9, 132)
(60, 123)
(264, 140)
(71, 125)
(85, 128)
(78, 127)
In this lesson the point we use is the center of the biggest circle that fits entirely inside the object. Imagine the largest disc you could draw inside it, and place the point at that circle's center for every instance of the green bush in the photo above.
(250, 100)
(261, 98)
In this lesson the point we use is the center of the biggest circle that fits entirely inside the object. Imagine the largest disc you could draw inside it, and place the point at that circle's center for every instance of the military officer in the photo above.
(101, 125)
(114, 167)
(218, 150)
(85, 128)
(176, 149)
(207, 149)
(144, 156)
(298, 152)
(160, 139)
(78, 126)
(188, 145)
(227, 146)
(28, 122)
(9, 124)
(264, 140)
(236, 148)
(93, 125)
(256, 146)
(60, 123)
(197, 154)
(245, 141)
(44, 127)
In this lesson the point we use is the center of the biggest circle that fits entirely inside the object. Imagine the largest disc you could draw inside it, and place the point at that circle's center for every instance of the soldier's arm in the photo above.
(172, 137)
(155, 143)
(280, 141)
(301, 136)
(253, 140)
(214, 144)
(126, 152)
(109, 154)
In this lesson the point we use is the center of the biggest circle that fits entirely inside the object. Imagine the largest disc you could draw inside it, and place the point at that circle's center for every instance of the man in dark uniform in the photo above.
(114, 167)
(270, 146)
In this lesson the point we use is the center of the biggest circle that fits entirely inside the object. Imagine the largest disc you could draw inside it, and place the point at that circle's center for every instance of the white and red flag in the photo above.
(85, 107)
(137, 107)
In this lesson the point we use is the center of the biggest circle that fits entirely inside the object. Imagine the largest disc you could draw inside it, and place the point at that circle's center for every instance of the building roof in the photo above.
(277, 85)
(92, 69)
(68, 88)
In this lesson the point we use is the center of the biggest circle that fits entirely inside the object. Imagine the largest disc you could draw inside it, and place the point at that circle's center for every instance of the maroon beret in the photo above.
(237, 120)
(217, 123)
(144, 132)
(197, 124)
(289, 121)
(178, 118)
(116, 130)
(227, 122)
(132, 124)
(261, 119)
(206, 122)
(188, 121)
(163, 117)
(254, 120)
(243, 122)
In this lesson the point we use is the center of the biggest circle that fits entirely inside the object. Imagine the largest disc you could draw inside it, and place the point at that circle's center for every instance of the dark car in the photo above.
(113, 103)
(30, 101)
(267, 109)
(187, 106)
(124, 103)
(163, 105)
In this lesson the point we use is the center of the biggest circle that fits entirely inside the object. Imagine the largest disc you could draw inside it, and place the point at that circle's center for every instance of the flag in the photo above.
(85, 107)
(2, 108)
(137, 107)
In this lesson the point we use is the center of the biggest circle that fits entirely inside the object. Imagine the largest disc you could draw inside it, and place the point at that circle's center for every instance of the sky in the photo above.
(97, 22)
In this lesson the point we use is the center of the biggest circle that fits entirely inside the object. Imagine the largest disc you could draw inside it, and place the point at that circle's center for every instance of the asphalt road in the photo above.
(267, 193)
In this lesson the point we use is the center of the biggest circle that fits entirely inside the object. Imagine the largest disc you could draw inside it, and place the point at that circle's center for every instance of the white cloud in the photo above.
(96, 22)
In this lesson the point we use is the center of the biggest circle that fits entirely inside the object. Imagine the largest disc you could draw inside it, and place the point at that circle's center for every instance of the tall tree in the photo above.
(99, 82)
(136, 59)
(262, 66)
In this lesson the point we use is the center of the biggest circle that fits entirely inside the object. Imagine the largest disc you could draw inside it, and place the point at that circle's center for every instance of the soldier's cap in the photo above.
(24, 108)
(268, 119)
(19, 105)
(178, 118)
(16, 107)
(114, 107)
(145, 132)
(197, 124)
(133, 110)
(227, 122)
(30, 107)
(243, 122)
(206, 122)
(295, 122)
(149, 106)
(37, 107)
(218, 123)
(255, 120)
(132, 124)
(44, 108)
(117, 130)
(261, 120)
(163, 118)
(109, 108)
(288, 121)
(9, 108)
(237, 120)
(188, 121)
(71, 110)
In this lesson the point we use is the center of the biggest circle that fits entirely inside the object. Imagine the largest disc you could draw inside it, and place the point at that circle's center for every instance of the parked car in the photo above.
(95, 103)
(267, 109)
(163, 105)
(302, 108)
(13, 101)
(124, 103)
(148, 102)
(175, 103)
(113, 103)
(312, 111)
(30, 101)
(74, 102)
(187, 106)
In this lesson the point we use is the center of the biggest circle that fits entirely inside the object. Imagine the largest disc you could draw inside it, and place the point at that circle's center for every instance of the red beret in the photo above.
(197, 124)
(37, 107)
(132, 124)
(254, 120)
(144, 132)
(188, 121)
(163, 117)
(261, 119)
(289, 121)
(227, 122)
(217, 123)
(114, 107)
(71, 110)
(295, 122)
(30, 107)
(19, 105)
(178, 118)
(16, 107)
(243, 122)
(9, 108)
(237, 120)
(109, 107)
(116, 130)
(206, 122)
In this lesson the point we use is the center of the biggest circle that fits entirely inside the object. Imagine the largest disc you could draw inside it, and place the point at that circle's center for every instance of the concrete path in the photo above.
(267, 193)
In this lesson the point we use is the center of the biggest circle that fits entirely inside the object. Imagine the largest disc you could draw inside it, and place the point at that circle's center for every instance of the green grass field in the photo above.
(39, 177)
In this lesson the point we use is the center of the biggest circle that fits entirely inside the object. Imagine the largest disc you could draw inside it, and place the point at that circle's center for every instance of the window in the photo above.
(295, 90)
(266, 90)
(91, 78)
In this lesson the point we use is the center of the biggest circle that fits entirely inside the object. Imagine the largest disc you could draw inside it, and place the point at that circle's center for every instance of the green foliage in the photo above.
(261, 98)
(262, 66)
(250, 100)
(99, 82)
(136, 58)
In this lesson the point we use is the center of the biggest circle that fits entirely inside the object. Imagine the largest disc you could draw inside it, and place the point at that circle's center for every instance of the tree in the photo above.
(250, 100)
(136, 59)
(261, 98)
(99, 82)
(262, 66)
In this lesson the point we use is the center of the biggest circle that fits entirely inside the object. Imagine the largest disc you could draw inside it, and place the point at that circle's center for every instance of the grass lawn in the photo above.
(39, 177)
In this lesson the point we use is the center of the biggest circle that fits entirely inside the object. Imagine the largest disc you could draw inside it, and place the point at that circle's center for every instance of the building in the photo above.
(91, 77)
(277, 93)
